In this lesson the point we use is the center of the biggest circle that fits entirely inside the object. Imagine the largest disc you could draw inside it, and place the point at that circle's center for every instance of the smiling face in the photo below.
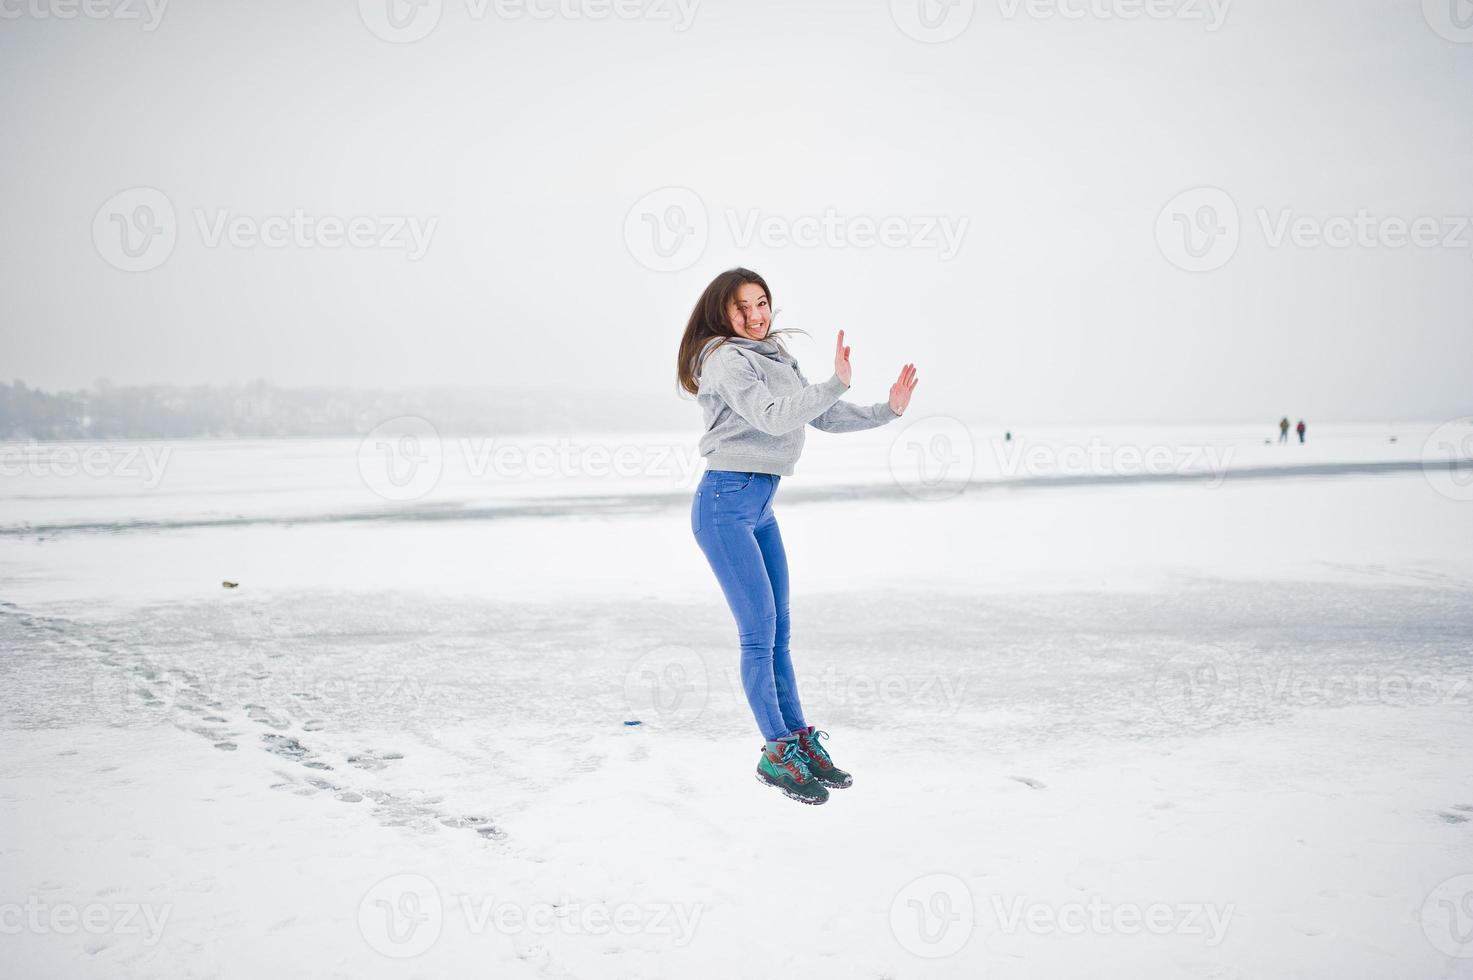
(750, 312)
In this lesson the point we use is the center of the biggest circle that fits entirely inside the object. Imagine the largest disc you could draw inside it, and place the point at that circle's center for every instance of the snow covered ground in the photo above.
(1211, 719)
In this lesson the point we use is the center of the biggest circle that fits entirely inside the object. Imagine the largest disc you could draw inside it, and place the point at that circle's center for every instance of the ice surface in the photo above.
(1240, 709)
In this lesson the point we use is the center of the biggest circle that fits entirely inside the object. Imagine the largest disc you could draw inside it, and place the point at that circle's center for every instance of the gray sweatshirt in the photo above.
(756, 403)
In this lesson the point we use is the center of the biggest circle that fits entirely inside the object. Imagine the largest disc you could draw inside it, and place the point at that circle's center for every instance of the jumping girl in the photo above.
(756, 403)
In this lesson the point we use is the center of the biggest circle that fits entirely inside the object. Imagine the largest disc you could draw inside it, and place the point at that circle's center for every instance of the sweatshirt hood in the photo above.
(767, 348)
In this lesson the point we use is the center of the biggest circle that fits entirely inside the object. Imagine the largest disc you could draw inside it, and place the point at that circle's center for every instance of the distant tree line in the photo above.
(260, 409)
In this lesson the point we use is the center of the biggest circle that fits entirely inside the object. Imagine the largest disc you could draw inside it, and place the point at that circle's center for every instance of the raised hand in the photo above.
(901, 390)
(841, 360)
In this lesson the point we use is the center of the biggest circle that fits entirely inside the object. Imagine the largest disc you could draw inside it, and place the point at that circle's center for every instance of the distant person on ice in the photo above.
(756, 403)
(1300, 429)
(1284, 429)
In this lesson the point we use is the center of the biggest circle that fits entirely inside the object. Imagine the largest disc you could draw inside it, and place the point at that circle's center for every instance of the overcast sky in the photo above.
(992, 191)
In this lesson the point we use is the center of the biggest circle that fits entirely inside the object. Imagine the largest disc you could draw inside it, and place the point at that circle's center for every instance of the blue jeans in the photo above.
(731, 517)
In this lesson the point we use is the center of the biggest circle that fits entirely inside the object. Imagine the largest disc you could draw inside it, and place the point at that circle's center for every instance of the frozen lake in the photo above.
(1145, 703)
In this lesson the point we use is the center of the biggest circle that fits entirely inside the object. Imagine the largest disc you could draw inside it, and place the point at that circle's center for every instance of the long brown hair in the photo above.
(710, 319)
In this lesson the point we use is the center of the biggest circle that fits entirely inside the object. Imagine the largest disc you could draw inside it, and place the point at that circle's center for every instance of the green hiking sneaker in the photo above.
(783, 765)
(819, 764)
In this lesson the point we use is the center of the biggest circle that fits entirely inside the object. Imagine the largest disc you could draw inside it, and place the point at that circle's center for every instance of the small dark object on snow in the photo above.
(231, 585)
(632, 723)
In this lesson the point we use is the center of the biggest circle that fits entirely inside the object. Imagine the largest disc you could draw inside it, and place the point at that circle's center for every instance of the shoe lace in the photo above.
(793, 759)
(818, 751)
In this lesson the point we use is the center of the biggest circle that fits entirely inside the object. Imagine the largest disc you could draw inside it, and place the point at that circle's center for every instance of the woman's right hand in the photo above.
(841, 360)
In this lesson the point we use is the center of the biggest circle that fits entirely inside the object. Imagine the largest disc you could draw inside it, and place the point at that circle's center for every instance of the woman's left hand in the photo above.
(900, 391)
